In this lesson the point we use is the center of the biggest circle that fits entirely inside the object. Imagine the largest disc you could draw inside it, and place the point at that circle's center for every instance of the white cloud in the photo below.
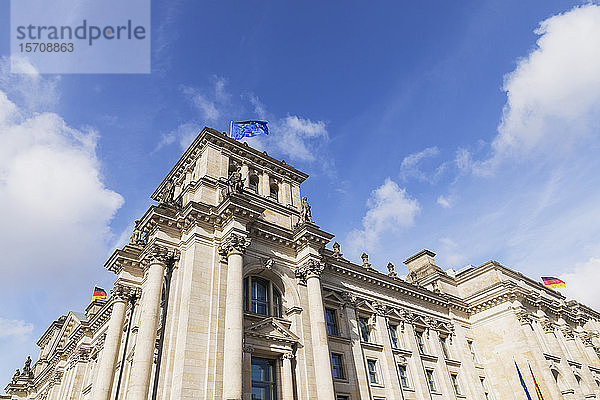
(582, 283)
(51, 193)
(411, 168)
(444, 201)
(293, 137)
(553, 96)
(297, 138)
(18, 329)
(389, 209)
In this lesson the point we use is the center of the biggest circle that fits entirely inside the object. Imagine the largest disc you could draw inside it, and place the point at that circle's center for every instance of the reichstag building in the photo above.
(227, 291)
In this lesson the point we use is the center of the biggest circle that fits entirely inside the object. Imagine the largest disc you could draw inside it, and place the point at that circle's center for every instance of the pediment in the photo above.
(333, 296)
(271, 329)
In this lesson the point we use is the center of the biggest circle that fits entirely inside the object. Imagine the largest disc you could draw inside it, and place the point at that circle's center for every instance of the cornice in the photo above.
(376, 278)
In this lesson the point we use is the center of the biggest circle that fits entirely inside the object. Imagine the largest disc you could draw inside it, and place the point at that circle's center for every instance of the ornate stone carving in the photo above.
(523, 316)
(248, 348)
(586, 339)
(121, 292)
(310, 269)
(547, 325)
(391, 272)
(235, 183)
(365, 258)
(234, 244)
(336, 250)
(27, 372)
(137, 237)
(350, 300)
(379, 307)
(16, 376)
(305, 214)
(167, 196)
(288, 355)
(567, 331)
(268, 263)
(160, 254)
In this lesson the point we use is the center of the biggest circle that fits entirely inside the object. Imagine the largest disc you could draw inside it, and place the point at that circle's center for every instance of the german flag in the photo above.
(537, 388)
(552, 282)
(99, 294)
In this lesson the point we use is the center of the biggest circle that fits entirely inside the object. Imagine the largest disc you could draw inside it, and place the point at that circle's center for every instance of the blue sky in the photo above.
(468, 128)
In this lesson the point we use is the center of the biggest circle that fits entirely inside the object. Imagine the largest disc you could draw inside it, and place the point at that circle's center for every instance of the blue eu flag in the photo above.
(241, 129)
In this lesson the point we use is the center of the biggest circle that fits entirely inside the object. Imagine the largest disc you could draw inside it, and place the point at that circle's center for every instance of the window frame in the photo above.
(332, 324)
(374, 373)
(274, 298)
(253, 183)
(393, 332)
(430, 378)
(365, 329)
(271, 384)
(455, 383)
(471, 347)
(341, 368)
(404, 383)
(420, 341)
(445, 349)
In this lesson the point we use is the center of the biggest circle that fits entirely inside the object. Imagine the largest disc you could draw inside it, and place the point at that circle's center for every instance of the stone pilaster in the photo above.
(287, 377)
(357, 352)
(155, 262)
(389, 370)
(310, 273)
(234, 247)
(108, 359)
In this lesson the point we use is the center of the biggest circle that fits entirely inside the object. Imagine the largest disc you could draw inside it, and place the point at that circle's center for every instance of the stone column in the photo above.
(310, 272)
(110, 354)
(234, 248)
(287, 384)
(143, 357)
(245, 175)
(265, 182)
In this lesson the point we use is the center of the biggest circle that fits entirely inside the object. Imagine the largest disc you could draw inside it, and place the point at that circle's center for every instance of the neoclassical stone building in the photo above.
(226, 291)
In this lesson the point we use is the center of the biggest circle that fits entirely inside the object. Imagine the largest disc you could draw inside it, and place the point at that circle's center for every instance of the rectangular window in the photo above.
(472, 350)
(420, 343)
(372, 367)
(338, 366)
(403, 376)
(444, 343)
(454, 378)
(394, 335)
(331, 319)
(365, 331)
(342, 397)
(263, 379)
(430, 379)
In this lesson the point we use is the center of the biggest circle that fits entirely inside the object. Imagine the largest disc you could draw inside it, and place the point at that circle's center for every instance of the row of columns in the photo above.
(139, 382)
(233, 249)
(264, 185)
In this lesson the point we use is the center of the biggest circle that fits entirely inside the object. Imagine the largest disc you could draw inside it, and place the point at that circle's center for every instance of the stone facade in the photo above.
(226, 291)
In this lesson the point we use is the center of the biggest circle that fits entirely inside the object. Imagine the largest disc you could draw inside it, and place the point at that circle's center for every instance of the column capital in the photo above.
(248, 348)
(288, 355)
(234, 244)
(159, 254)
(310, 269)
(121, 292)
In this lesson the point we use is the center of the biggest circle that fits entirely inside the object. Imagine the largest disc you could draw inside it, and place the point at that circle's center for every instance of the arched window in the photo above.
(262, 297)
(253, 184)
(274, 193)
